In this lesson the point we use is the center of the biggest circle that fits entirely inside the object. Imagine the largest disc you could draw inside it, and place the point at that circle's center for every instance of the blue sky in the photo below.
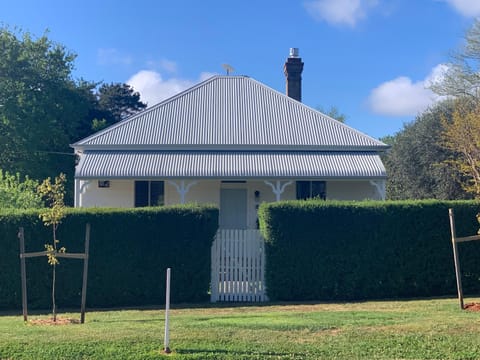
(369, 58)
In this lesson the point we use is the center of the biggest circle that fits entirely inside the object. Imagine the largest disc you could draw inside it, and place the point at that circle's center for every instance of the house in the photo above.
(232, 141)
(235, 142)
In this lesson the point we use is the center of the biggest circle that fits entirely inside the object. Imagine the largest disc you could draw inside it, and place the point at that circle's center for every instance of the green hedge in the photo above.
(318, 250)
(129, 253)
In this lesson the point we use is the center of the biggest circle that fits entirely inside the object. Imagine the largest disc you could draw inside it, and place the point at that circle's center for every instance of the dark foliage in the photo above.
(352, 251)
(130, 251)
(414, 163)
(118, 101)
(43, 109)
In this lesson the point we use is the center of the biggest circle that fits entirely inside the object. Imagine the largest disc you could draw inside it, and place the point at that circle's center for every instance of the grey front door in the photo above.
(233, 209)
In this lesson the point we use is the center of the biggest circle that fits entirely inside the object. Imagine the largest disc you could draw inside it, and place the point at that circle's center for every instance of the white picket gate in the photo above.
(238, 266)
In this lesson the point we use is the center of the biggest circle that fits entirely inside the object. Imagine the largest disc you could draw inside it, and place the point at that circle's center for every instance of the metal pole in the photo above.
(455, 258)
(167, 320)
(85, 274)
(23, 271)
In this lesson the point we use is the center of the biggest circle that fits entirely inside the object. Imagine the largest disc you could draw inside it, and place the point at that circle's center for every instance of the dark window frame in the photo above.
(311, 190)
(149, 193)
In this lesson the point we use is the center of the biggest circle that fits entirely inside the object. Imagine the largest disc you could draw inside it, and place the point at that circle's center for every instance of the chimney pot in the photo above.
(294, 52)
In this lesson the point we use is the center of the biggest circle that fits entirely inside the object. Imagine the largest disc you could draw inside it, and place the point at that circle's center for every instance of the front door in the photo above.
(233, 209)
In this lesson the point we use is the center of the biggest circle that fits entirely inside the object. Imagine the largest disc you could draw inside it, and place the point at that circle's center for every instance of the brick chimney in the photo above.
(293, 71)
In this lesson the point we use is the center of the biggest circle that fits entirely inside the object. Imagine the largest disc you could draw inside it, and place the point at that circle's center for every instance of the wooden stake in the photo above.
(23, 271)
(455, 258)
(83, 256)
(167, 320)
(85, 274)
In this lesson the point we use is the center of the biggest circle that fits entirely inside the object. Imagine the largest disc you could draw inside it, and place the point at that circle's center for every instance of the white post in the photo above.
(80, 187)
(380, 186)
(166, 348)
(76, 198)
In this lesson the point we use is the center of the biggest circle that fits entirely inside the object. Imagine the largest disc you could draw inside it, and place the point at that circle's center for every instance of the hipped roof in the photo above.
(230, 112)
(230, 127)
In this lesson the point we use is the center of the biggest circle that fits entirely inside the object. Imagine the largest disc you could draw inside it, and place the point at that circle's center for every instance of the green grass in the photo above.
(419, 329)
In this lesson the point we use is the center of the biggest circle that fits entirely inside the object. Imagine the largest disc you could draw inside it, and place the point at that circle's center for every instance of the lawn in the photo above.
(417, 329)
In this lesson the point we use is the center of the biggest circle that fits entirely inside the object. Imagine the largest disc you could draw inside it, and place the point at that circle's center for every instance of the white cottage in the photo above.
(232, 141)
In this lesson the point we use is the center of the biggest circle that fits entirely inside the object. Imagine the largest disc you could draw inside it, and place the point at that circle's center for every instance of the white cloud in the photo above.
(468, 8)
(340, 12)
(113, 56)
(403, 97)
(154, 89)
(436, 75)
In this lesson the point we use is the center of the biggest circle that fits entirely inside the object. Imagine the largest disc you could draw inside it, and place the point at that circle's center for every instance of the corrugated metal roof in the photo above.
(229, 112)
(229, 165)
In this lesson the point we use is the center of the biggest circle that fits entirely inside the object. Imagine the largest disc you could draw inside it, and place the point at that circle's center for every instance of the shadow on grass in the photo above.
(220, 305)
(140, 321)
(234, 354)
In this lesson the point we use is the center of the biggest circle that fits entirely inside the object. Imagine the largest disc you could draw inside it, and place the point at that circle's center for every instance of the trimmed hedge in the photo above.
(318, 250)
(129, 253)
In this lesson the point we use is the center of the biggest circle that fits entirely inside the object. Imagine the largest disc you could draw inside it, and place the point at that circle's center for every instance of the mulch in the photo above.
(472, 306)
(60, 321)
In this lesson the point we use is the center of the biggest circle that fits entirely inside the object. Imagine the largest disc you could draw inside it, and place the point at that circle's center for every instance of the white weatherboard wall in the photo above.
(208, 191)
(204, 191)
(119, 194)
(352, 190)
(265, 195)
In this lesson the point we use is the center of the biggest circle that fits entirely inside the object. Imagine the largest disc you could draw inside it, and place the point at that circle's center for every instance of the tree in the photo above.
(461, 135)
(16, 193)
(108, 105)
(334, 113)
(462, 75)
(415, 163)
(52, 216)
(43, 109)
(40, 105)
(119, 101)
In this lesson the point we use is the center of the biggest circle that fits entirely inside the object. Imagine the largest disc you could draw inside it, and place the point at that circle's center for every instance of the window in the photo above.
(149, 193)
(311, 189)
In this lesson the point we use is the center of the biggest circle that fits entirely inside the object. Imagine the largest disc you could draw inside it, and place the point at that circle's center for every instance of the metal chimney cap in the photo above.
(294, 52)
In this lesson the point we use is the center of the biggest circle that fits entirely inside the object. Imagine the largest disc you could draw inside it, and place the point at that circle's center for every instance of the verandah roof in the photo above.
(229, 165)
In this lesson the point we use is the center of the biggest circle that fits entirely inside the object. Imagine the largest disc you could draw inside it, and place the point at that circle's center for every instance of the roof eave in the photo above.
(226, 147)
(235, 178)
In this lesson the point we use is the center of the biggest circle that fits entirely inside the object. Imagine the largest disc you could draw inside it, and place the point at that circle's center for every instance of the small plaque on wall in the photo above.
(103, 183)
